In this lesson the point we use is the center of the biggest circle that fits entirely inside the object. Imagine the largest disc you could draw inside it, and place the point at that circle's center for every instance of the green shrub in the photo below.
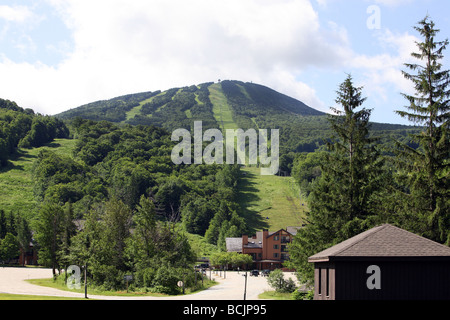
(166, 280)
(303, 295)
(277, 281)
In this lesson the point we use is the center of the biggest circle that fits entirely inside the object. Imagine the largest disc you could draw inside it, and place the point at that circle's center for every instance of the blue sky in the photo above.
(59, 54)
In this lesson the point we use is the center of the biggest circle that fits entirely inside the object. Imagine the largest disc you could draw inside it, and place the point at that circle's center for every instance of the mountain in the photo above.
(213, 103)
(227, 104)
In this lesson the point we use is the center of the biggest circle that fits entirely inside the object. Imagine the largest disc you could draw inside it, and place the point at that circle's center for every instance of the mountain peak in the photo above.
(226, 104)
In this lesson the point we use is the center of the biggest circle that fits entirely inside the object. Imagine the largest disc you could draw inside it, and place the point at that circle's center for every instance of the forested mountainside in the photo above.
(227, 105)
(22, 128)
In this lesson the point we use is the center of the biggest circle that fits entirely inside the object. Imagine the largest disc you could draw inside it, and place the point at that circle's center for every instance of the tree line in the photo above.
(119, 205)
(114, 110)
(15, 236)
(22, 128)
(178, 108)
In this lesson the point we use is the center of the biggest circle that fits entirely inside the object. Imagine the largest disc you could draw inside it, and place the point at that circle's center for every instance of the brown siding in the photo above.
(406, 280)
(272, 251)
(275, 243)
(325, 274)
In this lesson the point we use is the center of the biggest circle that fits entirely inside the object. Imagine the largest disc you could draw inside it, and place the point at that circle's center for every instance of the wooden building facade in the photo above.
(383, 263)
(268, 249)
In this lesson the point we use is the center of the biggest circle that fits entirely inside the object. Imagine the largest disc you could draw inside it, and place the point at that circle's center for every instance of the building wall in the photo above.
(324, 275)
(29, 258)
(256, 253)
(273, 248)
(275, 245)
(400, 280)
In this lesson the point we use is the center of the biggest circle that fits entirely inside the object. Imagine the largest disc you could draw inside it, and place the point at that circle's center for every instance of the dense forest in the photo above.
(119, 205)
(302, 129)
(118, 179)
(22, 128)
(113, 110)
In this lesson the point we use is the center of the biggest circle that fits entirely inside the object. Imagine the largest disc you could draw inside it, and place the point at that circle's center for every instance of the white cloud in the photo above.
(15, 13)
(382, 72)
(288, 85)
(122, 47)
(119, 47)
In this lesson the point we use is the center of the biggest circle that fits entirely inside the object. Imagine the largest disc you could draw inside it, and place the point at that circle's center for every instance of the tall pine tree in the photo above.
(344, 201)
(426, 170)
(49, 227)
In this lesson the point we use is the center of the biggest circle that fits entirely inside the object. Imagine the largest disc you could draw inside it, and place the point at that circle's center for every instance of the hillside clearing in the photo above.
(16, 181)
(266, 202)
(221, 109)
(269, 202)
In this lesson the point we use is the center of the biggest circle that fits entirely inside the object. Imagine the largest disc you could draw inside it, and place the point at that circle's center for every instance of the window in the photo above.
(276, 237)
(275, 255)
(275, 246)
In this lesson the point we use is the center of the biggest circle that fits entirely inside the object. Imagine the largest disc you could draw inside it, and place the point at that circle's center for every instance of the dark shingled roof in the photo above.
(383, 241)
(234, 244)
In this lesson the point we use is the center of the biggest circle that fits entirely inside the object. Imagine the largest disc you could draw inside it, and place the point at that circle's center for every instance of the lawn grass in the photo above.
(60, 285)
(7, 296)
(269, 202)
(221, 109)
(273, 295)
(16, 181)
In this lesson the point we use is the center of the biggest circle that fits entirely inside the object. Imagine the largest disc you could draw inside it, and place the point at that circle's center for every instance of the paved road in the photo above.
(229, 288)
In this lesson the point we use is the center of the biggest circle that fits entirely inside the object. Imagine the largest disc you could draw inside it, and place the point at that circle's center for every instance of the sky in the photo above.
(59, 54)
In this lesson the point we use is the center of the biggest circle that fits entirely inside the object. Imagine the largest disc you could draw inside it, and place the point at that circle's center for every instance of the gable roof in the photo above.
(293, 230)
(234, 244)
(383, 241)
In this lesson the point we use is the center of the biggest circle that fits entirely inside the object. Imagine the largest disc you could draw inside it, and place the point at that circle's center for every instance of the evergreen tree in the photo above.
(68, 230)
(426, 169)
(145, 220)
(345, 199)
(49, 230)
(117, 220)
(85, 247)
(4, 153)
(225, 223)
(24, 235)
(351, 171)
(3, 226)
